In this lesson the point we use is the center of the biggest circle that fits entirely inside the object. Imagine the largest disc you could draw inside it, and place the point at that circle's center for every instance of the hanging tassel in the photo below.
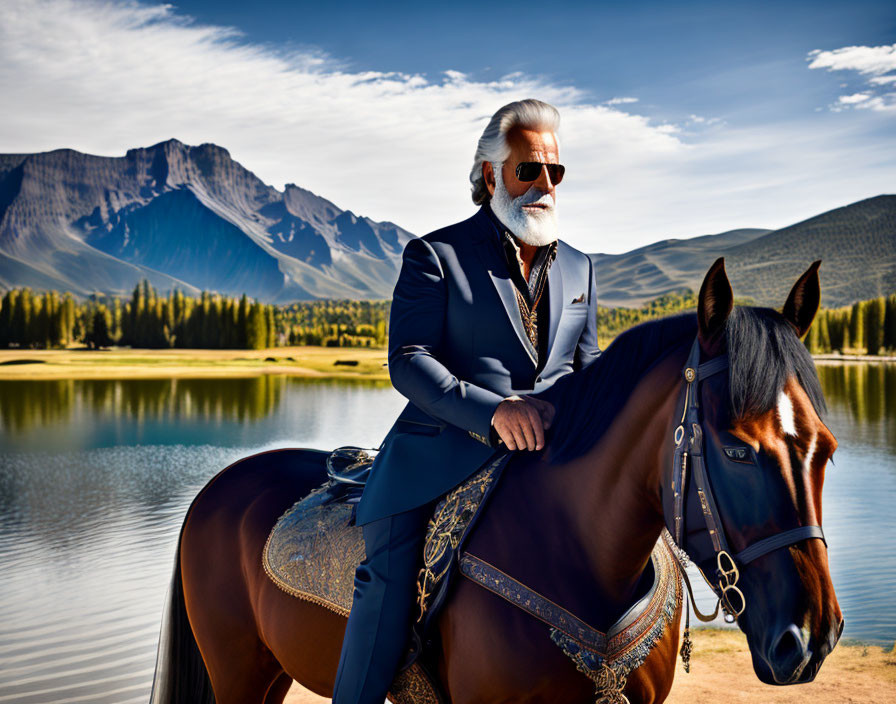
(685, 651)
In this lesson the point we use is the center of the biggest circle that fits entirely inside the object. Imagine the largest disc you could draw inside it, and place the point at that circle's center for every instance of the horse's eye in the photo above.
(738, 454)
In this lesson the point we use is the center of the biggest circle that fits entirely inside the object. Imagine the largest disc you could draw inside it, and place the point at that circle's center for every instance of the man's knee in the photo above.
(393, 545)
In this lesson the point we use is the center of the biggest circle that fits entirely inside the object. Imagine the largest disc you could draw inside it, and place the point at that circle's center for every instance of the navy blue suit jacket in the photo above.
(457, 348)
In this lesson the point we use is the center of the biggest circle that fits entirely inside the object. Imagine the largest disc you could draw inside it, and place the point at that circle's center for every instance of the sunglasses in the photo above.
(531, 170)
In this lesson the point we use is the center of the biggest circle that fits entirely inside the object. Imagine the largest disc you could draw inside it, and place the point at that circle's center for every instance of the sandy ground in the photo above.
(721, 671)
(124, 362)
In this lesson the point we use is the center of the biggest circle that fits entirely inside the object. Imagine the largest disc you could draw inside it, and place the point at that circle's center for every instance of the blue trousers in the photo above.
(383, 607)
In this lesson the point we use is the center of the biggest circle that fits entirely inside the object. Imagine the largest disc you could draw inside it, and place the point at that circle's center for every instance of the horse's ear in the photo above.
(714, 305)
(803, 301)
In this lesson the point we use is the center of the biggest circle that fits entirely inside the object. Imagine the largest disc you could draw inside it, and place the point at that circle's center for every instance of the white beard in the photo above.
(534, 226)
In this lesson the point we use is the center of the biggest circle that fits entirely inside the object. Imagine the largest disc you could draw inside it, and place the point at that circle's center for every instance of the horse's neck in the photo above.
(616, 491)
(581, 532)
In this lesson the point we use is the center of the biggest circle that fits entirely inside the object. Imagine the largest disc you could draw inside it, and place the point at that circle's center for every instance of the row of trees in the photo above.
(613, 321)
(211, 321)
(336, 323)
(214, 321)
(45, 320)
(865, 327)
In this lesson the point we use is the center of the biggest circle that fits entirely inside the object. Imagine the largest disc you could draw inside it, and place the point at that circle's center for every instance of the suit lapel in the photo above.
(488, 248)
(555, 298)
(497, 272)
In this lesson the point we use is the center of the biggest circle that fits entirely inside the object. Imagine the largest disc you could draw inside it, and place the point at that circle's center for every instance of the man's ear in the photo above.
(488, 175)
(803, 301)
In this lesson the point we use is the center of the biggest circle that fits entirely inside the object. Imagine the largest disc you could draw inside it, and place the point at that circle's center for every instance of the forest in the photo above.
(147, 320)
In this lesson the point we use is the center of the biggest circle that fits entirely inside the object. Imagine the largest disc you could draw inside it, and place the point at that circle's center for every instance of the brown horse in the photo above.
(576, 522)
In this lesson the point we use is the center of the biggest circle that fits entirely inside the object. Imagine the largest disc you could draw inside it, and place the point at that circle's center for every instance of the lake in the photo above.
(96, 475)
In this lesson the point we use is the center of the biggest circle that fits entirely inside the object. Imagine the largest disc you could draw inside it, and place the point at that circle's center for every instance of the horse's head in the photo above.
(763, 455)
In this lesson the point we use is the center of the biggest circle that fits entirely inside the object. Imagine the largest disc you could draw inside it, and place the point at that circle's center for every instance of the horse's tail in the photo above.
(180, 675)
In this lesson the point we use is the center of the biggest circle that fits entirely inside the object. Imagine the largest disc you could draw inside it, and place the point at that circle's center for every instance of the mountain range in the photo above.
(191, 217)
(856, 243)
(183, 216)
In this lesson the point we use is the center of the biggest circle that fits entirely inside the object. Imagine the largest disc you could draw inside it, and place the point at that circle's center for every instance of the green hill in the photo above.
(856, 243)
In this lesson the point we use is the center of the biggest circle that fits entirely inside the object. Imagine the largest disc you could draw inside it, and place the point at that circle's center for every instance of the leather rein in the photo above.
(689, 459)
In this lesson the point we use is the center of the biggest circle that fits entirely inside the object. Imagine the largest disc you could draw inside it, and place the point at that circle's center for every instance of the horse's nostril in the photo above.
(840, 630)
(789, 646)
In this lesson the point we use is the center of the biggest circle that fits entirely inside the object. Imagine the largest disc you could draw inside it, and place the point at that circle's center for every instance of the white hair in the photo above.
(530, 114)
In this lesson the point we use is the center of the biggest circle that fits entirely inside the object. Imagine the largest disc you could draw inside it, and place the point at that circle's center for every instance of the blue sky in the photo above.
(729, 59)
(678, 119)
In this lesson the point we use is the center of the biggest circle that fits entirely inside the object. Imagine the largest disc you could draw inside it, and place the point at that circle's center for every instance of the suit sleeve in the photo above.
(586, 349)
(416, 326)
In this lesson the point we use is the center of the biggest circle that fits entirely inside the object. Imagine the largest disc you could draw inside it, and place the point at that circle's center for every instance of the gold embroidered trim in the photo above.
(307, 596)
(412, 686)
(312, 552)
(449, 522)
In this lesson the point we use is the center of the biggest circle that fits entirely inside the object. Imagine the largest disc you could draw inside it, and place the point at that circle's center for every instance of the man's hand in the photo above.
(520, 422)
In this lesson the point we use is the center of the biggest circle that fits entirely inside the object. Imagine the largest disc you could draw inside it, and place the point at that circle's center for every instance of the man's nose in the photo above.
(543, 182)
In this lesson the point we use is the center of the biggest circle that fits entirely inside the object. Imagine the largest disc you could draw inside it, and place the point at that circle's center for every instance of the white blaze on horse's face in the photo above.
(799, 442)
(787, 418)
(785, 413)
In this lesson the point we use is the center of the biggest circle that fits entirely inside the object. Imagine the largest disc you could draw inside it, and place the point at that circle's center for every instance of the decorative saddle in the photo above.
(314, 548)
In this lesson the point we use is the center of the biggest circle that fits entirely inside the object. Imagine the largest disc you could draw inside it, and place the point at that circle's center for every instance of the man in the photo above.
(485, 312)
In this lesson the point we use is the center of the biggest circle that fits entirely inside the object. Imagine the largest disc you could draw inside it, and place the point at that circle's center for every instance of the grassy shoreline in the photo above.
(302, 361)
(127, 363)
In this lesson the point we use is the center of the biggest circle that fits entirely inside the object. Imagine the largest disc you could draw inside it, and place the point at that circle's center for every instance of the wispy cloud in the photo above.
(103, 77)
(874, 60)
(877, 63)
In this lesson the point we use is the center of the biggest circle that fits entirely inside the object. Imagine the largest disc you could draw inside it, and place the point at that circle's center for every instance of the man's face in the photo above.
(526, 145)
(527, 208)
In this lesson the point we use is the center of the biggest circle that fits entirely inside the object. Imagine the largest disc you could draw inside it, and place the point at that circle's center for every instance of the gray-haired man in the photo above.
(485, 312)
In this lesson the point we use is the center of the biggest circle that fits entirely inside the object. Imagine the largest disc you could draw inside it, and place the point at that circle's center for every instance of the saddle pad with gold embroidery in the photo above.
(312, 551)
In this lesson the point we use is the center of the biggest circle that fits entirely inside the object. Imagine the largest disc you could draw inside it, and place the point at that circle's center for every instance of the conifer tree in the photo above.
(243, 323)
(270, 325)
(874, 324)
(6, 307)
(890, 323)
(857, 327)
(256, 335)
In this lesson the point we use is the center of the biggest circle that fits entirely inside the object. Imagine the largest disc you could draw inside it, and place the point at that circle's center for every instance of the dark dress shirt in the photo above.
(532, 295)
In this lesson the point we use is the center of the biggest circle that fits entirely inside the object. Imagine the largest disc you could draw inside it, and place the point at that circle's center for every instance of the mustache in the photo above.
(534, 195)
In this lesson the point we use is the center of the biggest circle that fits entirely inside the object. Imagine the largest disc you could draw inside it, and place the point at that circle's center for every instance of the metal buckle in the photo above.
(729, 574)
(679, 434)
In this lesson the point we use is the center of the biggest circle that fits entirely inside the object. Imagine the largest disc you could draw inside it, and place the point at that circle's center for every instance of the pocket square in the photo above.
(579, 299)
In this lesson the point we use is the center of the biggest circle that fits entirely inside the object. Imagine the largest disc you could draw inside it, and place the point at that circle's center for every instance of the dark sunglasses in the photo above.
(531, 170)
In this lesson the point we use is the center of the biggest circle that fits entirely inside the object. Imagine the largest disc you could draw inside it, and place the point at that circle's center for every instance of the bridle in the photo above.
(689, 458)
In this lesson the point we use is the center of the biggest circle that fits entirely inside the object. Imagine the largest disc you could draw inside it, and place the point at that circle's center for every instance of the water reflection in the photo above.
(25, 405)
(862, 400)
(95, 479)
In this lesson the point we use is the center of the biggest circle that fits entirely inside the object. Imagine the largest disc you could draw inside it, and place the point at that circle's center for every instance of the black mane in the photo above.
(587, 401)
(763, 352)
(766, 351)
